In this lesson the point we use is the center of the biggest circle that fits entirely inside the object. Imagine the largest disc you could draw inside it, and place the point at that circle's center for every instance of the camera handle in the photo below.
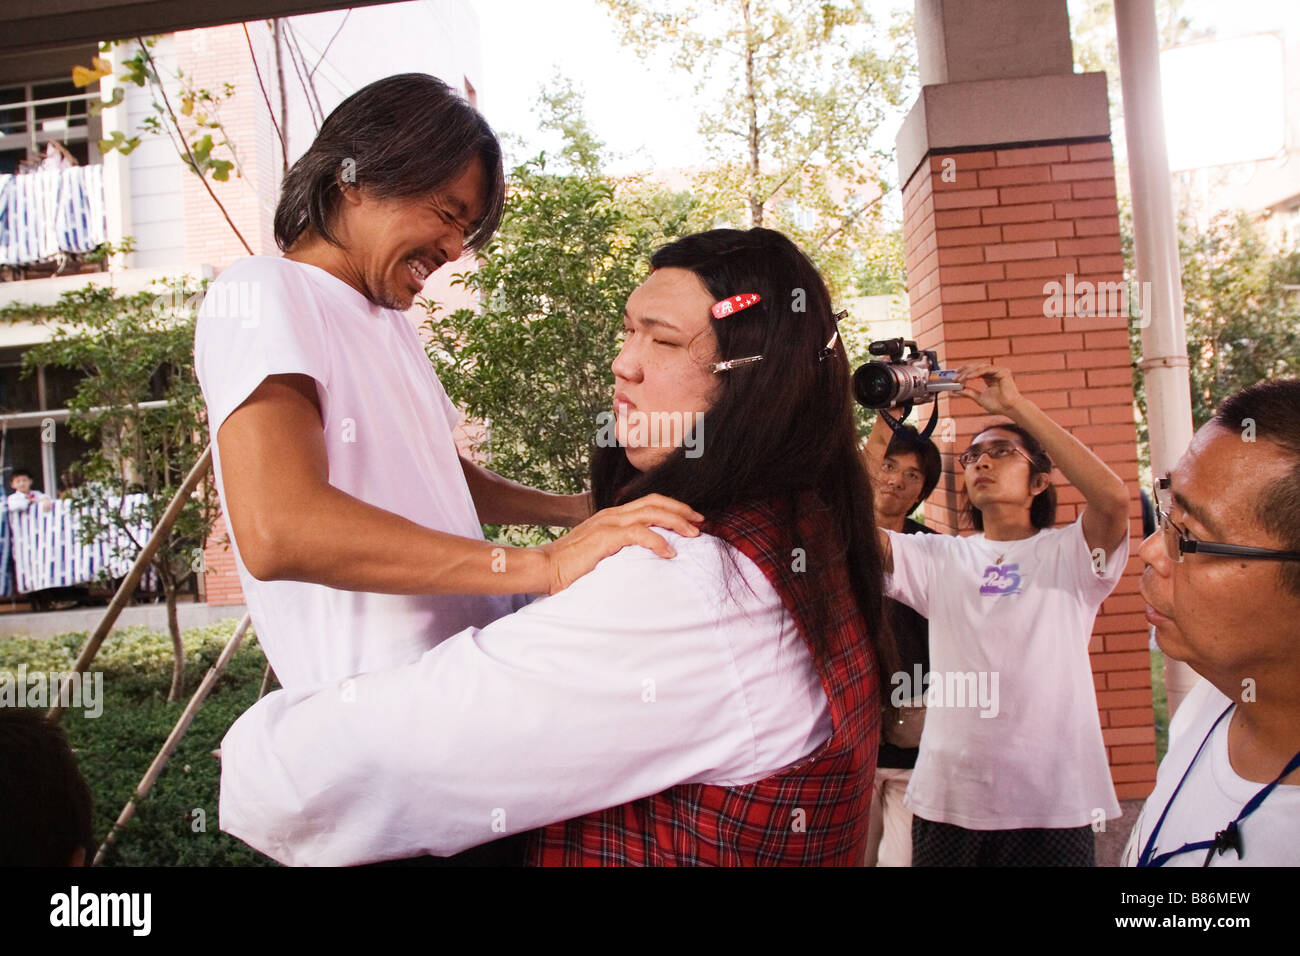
(896, 424)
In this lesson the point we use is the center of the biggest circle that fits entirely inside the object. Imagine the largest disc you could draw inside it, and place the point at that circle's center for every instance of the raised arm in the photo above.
(1105, 519)
(290, 523)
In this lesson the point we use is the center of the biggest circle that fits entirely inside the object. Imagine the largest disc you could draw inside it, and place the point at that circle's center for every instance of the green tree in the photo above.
(532, 364)
(1241, 311)
(796, 94)
(132, 350)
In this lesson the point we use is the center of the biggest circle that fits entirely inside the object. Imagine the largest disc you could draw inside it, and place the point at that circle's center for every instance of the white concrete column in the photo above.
(117, 168)
(1155, 234)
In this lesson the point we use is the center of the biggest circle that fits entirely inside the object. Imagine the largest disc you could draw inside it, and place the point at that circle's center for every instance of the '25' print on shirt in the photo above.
(1000, 580)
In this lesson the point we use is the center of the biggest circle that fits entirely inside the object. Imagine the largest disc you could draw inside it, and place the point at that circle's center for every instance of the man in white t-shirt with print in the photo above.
(1012, 768)
(355, 523)
(1222, 587)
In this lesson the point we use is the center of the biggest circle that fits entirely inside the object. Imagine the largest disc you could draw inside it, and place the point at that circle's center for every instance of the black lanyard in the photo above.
(1230, 836)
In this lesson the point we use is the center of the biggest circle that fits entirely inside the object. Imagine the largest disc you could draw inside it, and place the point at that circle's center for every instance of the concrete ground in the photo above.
(1110, 844)
(49, 623)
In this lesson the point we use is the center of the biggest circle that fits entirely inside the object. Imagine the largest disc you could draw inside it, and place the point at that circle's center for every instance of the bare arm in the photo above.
(502, 501)
(879, 439)
(292, 524)
(1105, 519)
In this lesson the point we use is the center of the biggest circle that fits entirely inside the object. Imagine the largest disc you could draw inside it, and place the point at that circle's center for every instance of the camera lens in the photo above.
(875, 385)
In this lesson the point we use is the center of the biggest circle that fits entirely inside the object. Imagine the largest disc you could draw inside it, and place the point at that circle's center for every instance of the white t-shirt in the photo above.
(642, 675)
(19, 501)
(388, 437)
(1213, 795)
(1012, 738)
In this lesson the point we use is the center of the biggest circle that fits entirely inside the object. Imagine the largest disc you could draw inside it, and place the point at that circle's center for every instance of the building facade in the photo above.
(284, 77)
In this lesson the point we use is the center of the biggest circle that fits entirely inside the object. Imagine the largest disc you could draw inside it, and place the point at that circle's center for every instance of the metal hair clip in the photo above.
(829, 350)
(733, 304)
(729, 364)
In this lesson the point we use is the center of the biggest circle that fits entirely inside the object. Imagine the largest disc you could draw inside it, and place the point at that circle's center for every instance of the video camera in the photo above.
(909, 381)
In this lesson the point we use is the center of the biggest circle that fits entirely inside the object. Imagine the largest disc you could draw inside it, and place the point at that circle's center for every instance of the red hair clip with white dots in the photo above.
(733, 304)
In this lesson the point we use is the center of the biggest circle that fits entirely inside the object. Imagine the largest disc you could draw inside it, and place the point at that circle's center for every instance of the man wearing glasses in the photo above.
(1222, 586)
(1012, 769)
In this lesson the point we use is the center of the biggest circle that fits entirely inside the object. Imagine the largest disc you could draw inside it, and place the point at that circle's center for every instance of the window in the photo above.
(37, 113)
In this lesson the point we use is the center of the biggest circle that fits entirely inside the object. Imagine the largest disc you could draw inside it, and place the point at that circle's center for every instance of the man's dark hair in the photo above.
(1042, 513)
(17, 472)
(908, 441)
(1273, 408)
(45, 805)
(402, 136)
(779, 427)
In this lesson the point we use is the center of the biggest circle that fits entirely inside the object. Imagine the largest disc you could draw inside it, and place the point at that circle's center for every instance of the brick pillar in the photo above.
(1010, 186)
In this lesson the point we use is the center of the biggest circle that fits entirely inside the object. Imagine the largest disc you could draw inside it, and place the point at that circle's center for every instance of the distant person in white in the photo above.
(355, 523)
(1019, 779)
(24, 495)
(1222, 587)
(643, 675)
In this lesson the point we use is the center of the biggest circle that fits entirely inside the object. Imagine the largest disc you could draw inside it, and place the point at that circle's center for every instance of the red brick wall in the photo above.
(221, 580)
(984, 232)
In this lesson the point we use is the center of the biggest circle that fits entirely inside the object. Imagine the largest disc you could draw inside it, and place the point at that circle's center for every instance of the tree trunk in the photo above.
(178, 648)
(751, 110)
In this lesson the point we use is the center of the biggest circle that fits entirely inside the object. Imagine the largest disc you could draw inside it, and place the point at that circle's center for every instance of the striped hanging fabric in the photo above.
(48, 554)
(51, 211)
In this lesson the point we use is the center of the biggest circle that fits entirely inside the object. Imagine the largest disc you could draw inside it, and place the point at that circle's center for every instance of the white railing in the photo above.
(51, 211)
(48, 554)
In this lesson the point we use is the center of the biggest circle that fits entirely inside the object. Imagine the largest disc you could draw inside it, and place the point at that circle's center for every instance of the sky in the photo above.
(645, 115)
(648, 116)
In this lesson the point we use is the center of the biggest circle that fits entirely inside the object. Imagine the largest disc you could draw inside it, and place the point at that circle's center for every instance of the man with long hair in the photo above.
(1012, 768)
(720, 707)
(355, 524)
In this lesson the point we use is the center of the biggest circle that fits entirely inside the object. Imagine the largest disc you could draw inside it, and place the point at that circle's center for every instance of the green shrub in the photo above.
(177, 823)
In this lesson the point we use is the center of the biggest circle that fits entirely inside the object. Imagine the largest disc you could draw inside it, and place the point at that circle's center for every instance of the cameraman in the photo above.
(1019, 776)
(904, 469)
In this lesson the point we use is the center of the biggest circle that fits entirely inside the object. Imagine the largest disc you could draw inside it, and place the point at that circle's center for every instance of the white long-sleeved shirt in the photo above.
(644, 674)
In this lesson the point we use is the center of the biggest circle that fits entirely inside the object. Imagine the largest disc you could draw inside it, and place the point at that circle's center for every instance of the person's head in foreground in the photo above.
(766, 387)
(1222, 587)
(1007, 472)
(1232, 616)
(403, 177)
(45, 805)
(905, 477)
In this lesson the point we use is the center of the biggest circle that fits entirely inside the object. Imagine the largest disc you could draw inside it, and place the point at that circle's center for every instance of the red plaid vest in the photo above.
(813, 813)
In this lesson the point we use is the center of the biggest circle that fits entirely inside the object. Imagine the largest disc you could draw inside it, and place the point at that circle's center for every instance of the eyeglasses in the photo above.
(996, 450)
(1178, 542)
(911, 475)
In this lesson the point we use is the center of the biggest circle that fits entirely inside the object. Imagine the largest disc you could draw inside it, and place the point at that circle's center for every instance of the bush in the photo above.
(176, 825)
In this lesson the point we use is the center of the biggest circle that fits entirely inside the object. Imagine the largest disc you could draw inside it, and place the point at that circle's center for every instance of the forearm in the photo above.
(328, 537)
(1101, 487)
(880, 437)
(502, 501)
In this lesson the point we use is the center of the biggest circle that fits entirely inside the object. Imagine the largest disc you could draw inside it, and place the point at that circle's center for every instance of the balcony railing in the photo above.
(47, 552)
(51, 213)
